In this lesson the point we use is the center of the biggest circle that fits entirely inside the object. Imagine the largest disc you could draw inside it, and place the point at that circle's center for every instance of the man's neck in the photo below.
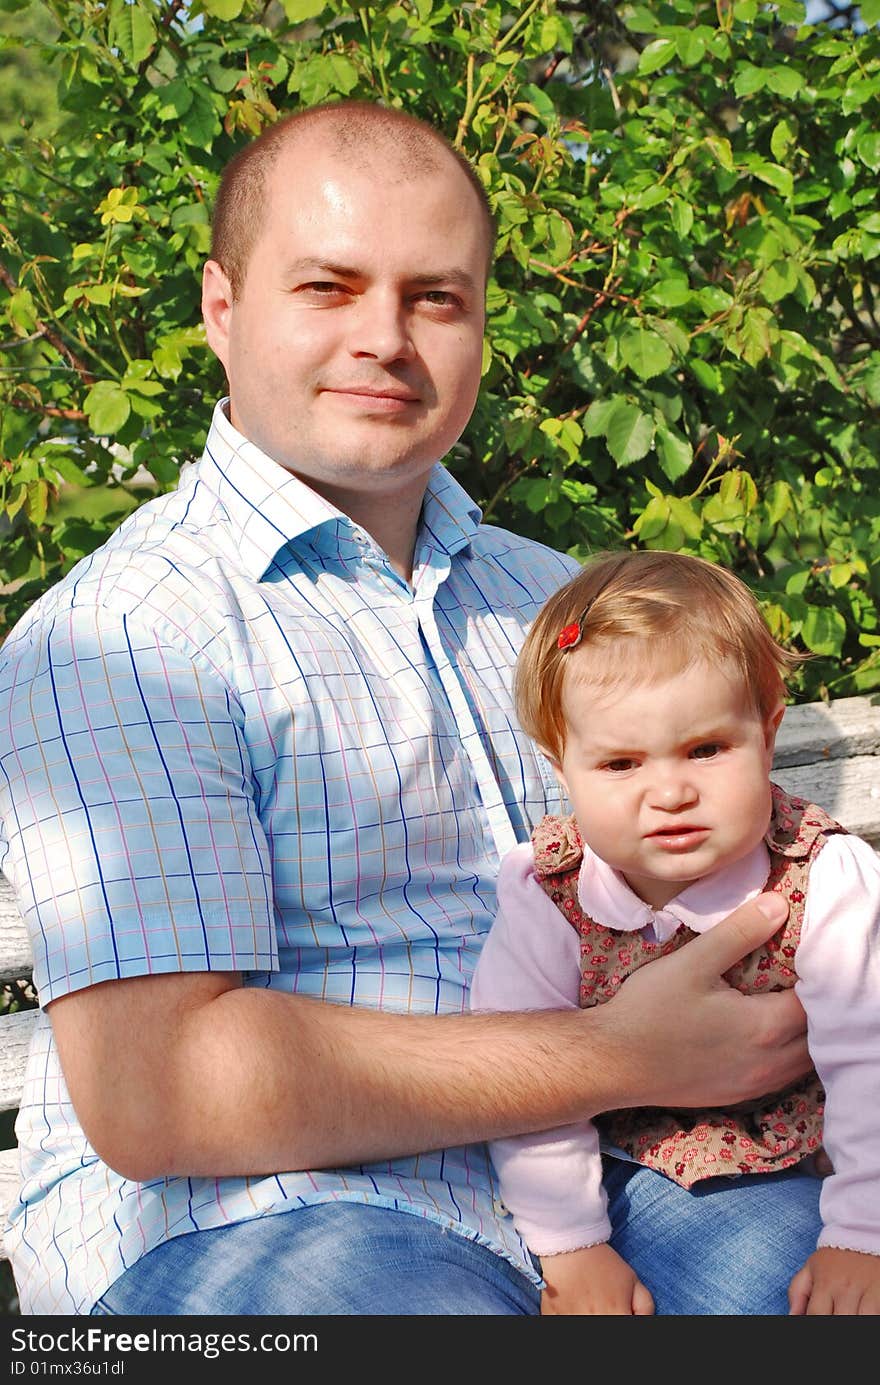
(392, 522)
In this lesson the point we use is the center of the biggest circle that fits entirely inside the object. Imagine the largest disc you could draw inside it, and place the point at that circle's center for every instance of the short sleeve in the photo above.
(129, 825)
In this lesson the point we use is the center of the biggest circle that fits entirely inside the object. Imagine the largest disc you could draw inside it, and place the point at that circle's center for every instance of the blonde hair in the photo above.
(675, 609)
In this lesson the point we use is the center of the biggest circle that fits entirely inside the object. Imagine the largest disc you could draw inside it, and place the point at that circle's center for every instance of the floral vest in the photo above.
(760, 1136)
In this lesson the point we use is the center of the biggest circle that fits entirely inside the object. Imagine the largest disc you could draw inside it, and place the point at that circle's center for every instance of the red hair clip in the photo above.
(571, 635)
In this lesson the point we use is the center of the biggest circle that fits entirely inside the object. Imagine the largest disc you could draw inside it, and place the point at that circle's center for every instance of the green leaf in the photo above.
(682, 216)
(682, 514)
(674, 452)
(870, 11)
(785, 81)
(344, 73)
(749, 79)
(299, 10)
(671, 292)
(597, 416)
(225, 9)
(868, 149)
(774, 175)
(98, 293)
(737, 487)
(856, 95)
(840, 573)
(720, 149)
(779, 280)
(174, 99)
(629, 433)
(107, 406)
(131, 30)
(645, 352)
(656, 55)
(653, 519)
(781, 140)
(779, 501)
(823, 630)
(706, 375)
(753, 339)
(691, 47)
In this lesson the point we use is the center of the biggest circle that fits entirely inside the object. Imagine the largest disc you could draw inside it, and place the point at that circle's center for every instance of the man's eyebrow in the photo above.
(457, 278)
(313, 265)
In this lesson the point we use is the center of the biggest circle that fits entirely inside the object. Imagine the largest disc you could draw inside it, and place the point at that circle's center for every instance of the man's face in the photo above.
(353, 351)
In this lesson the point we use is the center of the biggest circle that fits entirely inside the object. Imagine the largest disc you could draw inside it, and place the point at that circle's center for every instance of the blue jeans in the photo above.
(728, 1248)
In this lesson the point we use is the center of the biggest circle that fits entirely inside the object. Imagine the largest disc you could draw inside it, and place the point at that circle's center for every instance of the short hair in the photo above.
(240, 204)
(645, 614)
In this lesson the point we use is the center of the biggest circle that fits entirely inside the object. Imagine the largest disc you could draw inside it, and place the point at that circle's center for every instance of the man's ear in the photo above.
(217, 310)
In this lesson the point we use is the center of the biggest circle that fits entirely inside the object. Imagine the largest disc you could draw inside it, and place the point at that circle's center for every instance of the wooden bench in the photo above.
(827, 753)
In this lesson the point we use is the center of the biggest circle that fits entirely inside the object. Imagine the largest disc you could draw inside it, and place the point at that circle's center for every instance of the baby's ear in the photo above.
(771, 725)
(557, 770)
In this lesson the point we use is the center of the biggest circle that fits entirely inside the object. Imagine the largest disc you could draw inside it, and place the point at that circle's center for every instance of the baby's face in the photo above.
(669, 779)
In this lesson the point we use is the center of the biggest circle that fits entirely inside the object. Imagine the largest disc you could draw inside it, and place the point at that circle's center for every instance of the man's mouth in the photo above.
(385, 397)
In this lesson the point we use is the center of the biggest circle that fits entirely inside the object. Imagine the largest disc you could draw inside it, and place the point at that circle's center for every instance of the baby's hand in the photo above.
(838, 1283)
(592, 1282)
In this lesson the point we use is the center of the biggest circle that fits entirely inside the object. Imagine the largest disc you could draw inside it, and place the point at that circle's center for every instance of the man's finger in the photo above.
(741, 932)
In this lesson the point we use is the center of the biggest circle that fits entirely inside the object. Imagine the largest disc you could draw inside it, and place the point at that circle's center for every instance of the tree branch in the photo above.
(52, 336)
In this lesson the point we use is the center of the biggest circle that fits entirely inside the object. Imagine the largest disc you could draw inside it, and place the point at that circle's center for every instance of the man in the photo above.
(261, 768)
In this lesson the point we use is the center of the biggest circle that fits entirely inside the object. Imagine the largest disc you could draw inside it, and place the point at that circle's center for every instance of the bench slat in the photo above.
(15, 1037)
(15, 949)
(820, 731)
(9, 1186)
(847, 789)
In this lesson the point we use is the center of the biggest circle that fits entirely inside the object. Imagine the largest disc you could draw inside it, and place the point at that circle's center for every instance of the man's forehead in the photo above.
(315, 160)
(316, 191)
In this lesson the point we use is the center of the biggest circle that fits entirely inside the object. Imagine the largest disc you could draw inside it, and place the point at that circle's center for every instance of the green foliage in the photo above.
(684, 350)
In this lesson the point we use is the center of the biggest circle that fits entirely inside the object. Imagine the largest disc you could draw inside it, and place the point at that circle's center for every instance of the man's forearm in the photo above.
(264, 1081)
(193, 1074)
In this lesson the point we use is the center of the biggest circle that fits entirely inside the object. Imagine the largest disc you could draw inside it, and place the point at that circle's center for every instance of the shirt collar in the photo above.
(606, 897)
(272, 507)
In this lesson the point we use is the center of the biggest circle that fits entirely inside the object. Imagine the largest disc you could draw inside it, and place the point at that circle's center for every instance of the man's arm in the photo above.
(196, 1074)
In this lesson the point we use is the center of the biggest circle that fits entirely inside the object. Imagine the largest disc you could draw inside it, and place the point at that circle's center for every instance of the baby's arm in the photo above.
(838, 963)
(550, 1182)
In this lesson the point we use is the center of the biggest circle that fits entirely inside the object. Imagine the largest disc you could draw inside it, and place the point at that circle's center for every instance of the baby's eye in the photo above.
(619, 766)
(707, 750)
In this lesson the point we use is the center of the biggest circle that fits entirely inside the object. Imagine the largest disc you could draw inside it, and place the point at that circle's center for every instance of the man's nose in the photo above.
(381, 330)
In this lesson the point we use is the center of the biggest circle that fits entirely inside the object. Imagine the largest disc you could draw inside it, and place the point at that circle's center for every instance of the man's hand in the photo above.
(702, 1043)
(594, 1282)
(836, 1283)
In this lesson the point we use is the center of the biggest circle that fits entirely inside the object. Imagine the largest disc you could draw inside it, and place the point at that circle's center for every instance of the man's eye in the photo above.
(322, 288)
(439, 298)
(707, 750)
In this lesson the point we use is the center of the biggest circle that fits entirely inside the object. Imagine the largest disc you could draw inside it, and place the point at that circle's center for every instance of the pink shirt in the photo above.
(552, 1182)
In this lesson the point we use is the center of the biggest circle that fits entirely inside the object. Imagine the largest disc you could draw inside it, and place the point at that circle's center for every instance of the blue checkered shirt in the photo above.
(234, 739)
